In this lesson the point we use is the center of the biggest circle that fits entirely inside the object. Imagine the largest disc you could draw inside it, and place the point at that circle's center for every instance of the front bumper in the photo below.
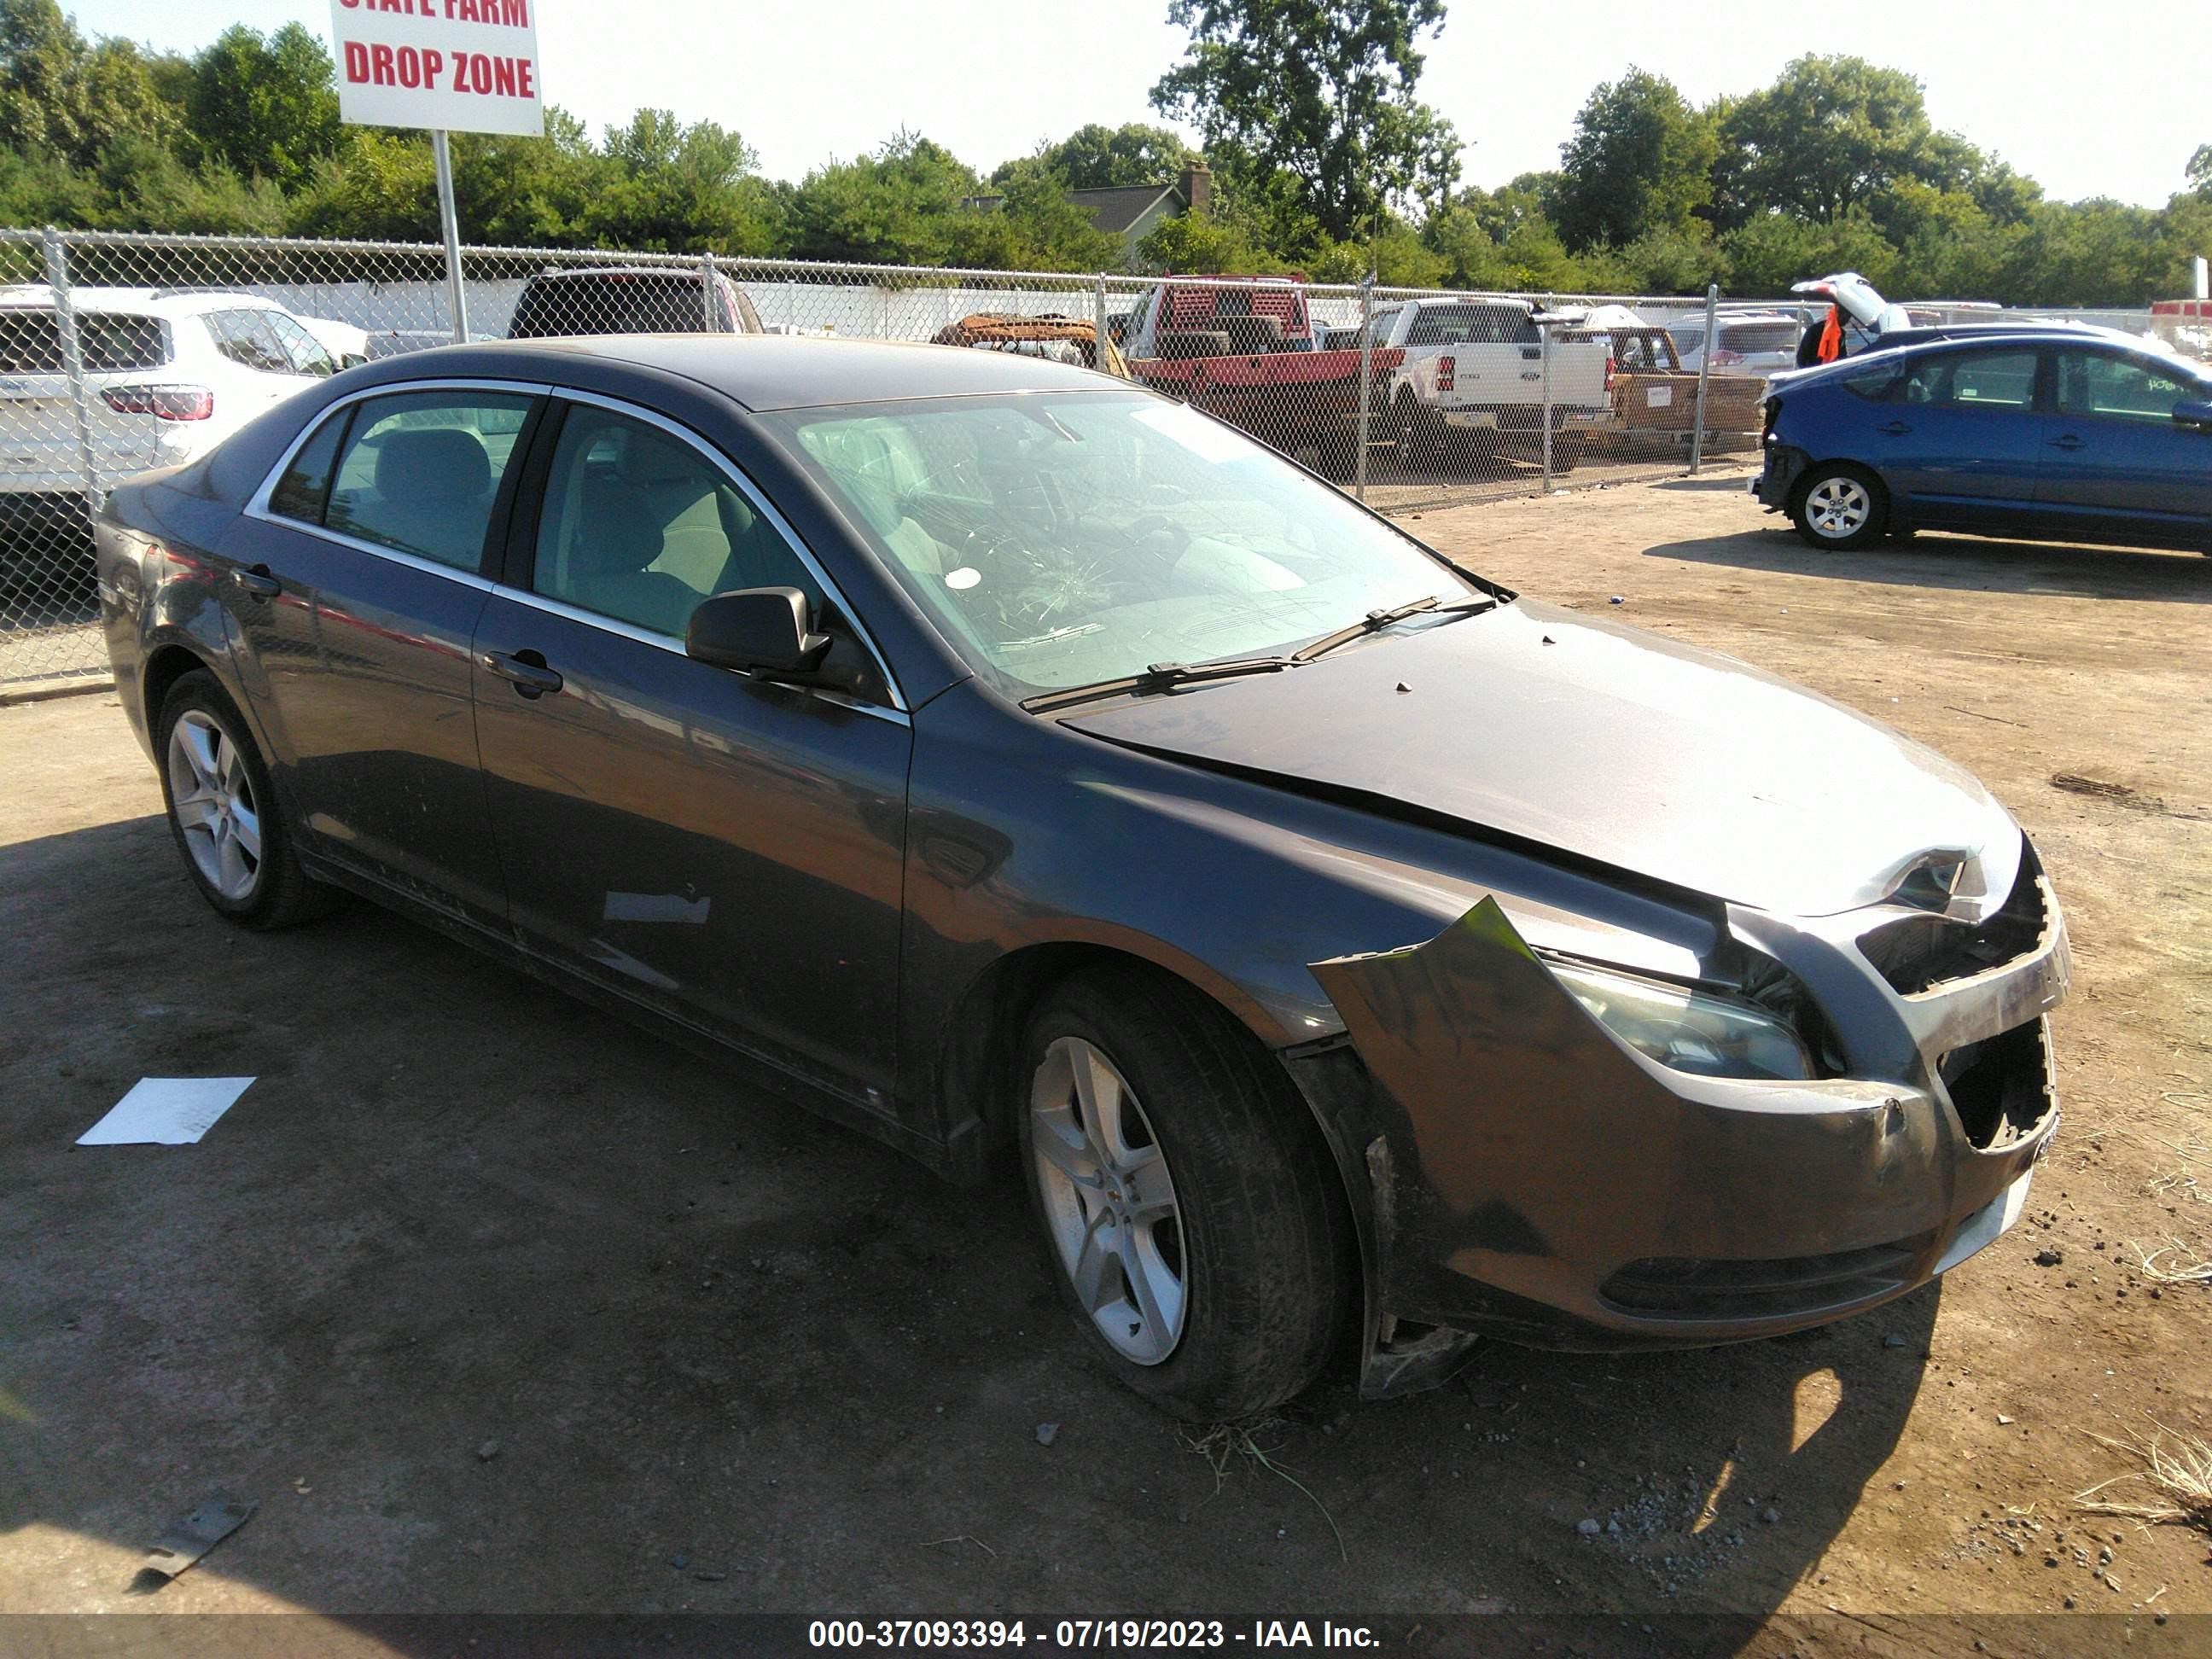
(1525, 1174)
(1777, 479)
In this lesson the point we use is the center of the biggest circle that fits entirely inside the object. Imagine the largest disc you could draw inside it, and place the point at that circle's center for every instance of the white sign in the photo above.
(464, 65)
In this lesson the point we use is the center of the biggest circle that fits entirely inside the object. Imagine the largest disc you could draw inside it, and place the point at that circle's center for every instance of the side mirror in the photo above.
(2196, 414)
(761, 630)
(352, 360)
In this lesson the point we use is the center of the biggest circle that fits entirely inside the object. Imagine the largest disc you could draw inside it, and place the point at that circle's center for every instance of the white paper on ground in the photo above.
(166, 1111)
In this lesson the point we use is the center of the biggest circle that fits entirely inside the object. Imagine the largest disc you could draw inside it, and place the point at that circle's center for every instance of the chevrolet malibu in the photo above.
(1353, 955)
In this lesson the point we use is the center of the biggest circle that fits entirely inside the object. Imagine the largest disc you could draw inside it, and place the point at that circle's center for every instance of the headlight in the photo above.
(1688, 1031)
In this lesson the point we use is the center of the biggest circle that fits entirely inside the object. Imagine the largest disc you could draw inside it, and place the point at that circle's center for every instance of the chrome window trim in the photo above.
(257, 506)
(760, 504)
(674, 646)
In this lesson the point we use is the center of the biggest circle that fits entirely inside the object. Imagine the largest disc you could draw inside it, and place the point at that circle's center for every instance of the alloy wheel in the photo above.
(212, 796)
(1838, 507)
(1110, 1204)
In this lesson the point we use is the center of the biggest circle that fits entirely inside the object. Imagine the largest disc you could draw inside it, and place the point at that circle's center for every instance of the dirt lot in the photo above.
(495, 1304)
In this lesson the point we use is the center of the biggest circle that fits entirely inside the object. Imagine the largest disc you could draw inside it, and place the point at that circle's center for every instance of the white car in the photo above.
(167, 374)
(1758, 343)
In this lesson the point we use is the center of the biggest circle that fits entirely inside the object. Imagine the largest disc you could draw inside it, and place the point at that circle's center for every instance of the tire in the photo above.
(1332, 453)
(1566, 452)
(1417, 435)
(1193, 343)
(1838, 508)
(1230, 1298)
(224, 815)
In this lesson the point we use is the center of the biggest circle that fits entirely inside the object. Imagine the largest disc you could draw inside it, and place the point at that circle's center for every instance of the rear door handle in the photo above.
(530, 679)
(1895, 429)
(257, 583)
(2069, 441)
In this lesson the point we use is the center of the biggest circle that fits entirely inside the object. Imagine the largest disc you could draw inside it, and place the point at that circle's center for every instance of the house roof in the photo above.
(1116, 208)
(1113, 208)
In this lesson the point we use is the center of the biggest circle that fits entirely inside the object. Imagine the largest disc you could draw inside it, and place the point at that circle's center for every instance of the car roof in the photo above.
(766, 371)
(157, 301)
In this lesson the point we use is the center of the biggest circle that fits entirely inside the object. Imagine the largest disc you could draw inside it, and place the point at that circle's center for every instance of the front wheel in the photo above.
(1839, 506)
(1189, 1210)
(1416, 435)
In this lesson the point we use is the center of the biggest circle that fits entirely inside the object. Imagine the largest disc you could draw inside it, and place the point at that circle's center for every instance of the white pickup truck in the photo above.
(1472, 381)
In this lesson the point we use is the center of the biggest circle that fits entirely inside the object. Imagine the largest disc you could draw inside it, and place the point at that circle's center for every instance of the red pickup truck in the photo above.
(1246, 349)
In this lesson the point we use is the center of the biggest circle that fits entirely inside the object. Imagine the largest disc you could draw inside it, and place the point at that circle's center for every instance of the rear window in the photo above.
(1759, 336)
(619, 302)
(31, 342)
(1473, 325)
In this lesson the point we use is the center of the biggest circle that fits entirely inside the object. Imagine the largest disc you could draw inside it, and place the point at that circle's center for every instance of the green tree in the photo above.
(674, 188)
(379, 187)
(897, 206)
(522, 191)
(1641, 160)
(2200, 170)
(1320, 92)
(264, 106)
(1094, 156)
(1832, 134)
(61, 93)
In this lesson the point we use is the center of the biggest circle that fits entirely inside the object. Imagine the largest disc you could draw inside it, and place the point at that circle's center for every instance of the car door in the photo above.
(356, 577)
(2118, 465)
(1960, 436)
(724, 849)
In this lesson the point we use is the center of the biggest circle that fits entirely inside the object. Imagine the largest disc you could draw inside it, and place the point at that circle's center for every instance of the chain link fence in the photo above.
(123, 351)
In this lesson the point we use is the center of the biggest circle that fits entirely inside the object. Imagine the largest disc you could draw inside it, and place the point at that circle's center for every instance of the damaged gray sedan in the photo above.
(998, 759)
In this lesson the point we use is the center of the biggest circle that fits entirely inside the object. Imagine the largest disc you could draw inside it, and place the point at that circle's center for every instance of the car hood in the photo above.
(1608, 743)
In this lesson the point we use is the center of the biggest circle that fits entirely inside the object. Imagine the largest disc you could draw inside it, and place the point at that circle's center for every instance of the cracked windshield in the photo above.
(1062, 540)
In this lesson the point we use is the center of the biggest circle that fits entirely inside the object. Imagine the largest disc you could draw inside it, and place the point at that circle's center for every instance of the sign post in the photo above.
(448, 66)
(456, 296)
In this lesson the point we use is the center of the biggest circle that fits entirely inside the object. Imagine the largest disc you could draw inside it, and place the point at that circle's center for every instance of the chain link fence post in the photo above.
(72, 345)
(710, 297)
(1366, 384)
(1544, 345)
(1704, 374)
(1098, 321)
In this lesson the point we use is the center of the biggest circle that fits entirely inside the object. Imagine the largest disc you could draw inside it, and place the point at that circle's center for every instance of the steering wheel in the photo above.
(1159, 536)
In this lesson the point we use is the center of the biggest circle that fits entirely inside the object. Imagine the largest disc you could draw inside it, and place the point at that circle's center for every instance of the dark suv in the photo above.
(631, 300)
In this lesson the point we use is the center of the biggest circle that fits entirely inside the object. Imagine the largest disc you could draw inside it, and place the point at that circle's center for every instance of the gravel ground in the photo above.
(496, 1304)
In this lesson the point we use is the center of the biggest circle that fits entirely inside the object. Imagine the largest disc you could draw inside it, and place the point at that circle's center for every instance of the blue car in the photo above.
(2041, 435)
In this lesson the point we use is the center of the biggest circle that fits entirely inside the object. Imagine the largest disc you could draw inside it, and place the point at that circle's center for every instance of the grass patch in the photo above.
(2170, 1485)
(1226, 1444)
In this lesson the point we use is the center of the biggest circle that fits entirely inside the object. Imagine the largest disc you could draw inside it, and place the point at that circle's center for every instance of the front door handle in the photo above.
(2069, 441)
(1895, 429)
(257, 583)
(531, 678)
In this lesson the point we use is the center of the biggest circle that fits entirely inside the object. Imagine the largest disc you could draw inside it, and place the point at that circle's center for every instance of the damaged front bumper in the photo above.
(1519, 1171)
(1777, 480)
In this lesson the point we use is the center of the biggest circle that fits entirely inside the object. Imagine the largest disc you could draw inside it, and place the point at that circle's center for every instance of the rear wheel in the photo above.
(1839, 506)
(1566, 452)
(1416, 434)
(1189, 1209)
(223, 812)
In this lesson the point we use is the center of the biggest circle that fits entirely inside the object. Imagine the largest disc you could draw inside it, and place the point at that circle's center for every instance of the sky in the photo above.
(2069, 103)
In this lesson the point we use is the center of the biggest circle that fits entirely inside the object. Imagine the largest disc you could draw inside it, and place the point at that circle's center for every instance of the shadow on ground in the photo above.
(497, 1305)
(1962, 563)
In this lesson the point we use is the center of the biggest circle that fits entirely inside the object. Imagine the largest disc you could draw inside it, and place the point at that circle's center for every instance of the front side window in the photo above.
(246, 339)
(419, 471)
(2094, 383)
(640, 526)
(1061, 539)
(301, 349)
(1972, 380)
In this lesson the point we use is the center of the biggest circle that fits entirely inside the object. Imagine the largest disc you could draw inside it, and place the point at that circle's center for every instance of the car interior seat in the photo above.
(433, 494)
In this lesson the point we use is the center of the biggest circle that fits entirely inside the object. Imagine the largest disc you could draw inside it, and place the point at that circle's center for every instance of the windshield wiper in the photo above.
(1158, 678)
(1375, 621)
